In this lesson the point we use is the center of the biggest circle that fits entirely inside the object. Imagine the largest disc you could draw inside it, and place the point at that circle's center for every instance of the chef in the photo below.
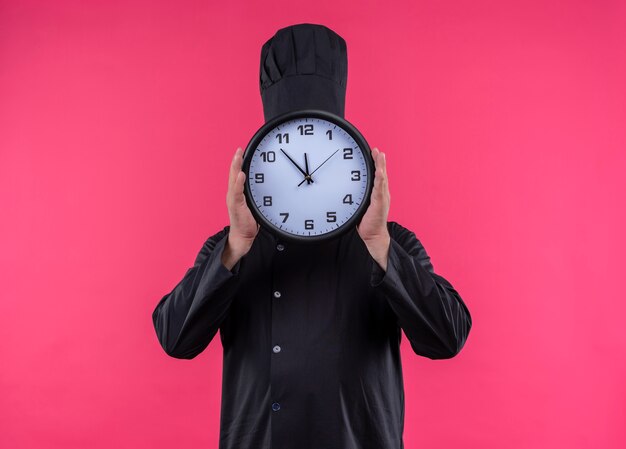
(311, 333)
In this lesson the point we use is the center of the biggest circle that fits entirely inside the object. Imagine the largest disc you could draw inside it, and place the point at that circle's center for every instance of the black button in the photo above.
(280, 247)
(275, 406)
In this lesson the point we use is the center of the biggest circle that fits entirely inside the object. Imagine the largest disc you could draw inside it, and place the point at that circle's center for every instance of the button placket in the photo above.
(279, 326)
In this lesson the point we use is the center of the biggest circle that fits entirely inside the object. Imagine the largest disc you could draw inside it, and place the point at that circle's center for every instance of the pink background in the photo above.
(503, 124)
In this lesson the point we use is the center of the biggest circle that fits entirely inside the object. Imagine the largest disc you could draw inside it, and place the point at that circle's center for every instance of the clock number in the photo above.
(348, 199)
(286, 214)
(308, 224)
(269, 156)
(331, 217)
(356, 173)
(259, 178)
(330, 134)
(304, 130)
(347, 153)
(267, 200)
(280, 137)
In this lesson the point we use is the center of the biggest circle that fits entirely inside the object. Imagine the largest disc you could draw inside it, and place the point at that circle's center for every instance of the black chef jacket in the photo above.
(311, 336)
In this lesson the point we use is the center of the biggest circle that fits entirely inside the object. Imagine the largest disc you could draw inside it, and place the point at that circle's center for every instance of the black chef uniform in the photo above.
(311, 334)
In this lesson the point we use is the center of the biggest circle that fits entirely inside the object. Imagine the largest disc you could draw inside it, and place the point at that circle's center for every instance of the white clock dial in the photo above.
(337, 169)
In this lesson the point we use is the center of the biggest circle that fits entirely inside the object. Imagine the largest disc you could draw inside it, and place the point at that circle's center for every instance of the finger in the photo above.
(382, 174)
(238, 188)
(380, 168)
(385, 180)
(378, 184)
(239, 159)
(231, 171)
(383, 166)
(375, 153)
(375, 158)
(234, 168)
(381, 163)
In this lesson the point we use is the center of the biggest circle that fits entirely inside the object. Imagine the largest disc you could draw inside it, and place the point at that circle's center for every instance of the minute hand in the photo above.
(320, 165)
(297, 166)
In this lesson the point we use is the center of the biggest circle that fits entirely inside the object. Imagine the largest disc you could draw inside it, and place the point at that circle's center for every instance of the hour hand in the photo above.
(318, 167)
(306, 167)
(306, 175)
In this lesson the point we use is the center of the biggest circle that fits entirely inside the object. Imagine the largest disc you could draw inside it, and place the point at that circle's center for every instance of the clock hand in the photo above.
(321, 164)
(306, 167)
(306, 175)
(324, 162)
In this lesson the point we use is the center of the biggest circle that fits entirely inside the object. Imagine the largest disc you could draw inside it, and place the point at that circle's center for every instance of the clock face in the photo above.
(308, 176)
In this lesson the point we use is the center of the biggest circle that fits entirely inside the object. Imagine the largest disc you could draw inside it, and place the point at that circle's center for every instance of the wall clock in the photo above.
(309, 176)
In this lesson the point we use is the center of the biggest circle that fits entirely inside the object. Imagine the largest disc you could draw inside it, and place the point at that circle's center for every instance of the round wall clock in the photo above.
(309, 176)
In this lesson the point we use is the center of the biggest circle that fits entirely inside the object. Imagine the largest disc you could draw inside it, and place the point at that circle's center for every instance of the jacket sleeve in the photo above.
(429, 310)
(187, 318)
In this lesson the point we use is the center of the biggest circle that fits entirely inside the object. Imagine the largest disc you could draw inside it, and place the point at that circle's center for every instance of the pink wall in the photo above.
(503, 124)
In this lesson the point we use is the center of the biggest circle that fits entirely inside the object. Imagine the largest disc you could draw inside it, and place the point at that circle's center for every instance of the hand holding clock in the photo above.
(373, 226)
(243, 226)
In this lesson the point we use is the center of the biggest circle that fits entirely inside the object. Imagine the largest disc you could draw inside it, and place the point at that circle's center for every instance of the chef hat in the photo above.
(303, 66)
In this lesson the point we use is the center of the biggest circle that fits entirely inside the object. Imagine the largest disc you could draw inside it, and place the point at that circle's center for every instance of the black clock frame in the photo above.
(342, 123)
